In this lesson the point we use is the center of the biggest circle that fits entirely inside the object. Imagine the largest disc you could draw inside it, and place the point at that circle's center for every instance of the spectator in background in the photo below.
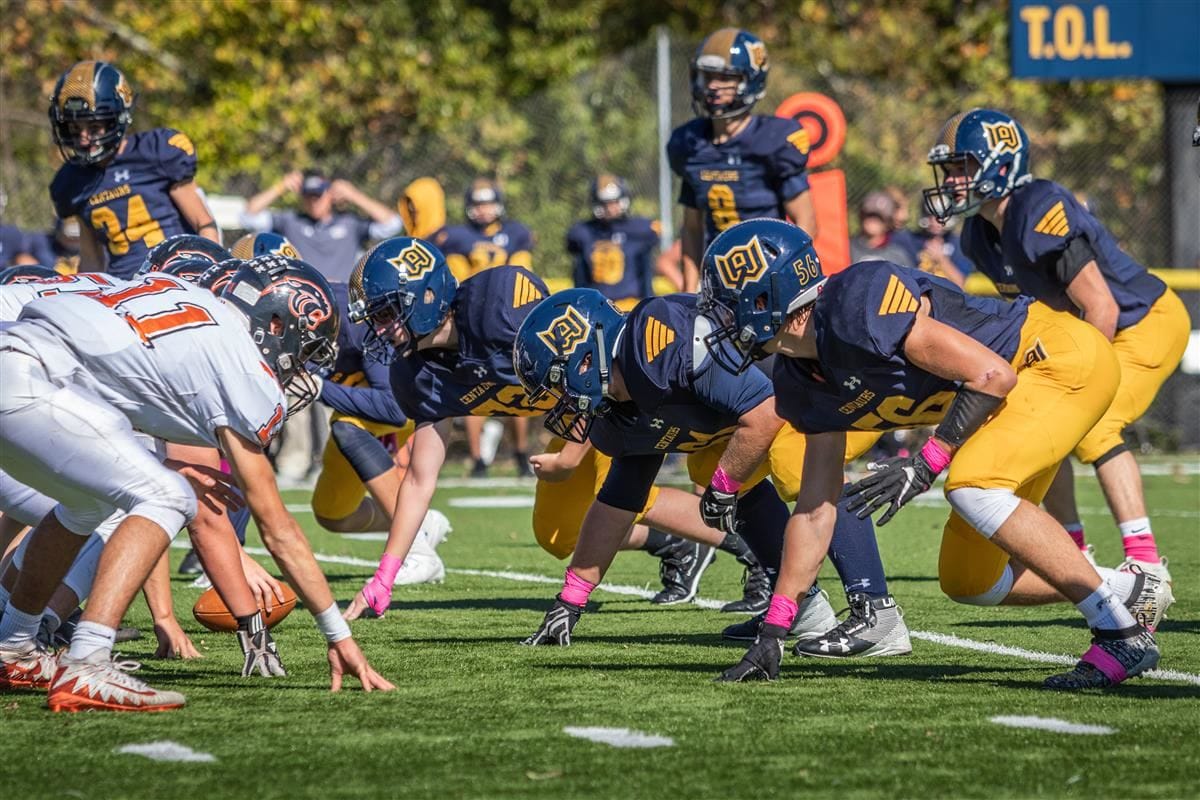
(876, 213)
(901, 216)
(423, 209)
(488, 240)
(58, 248)
(14, 244)
(613, 252)
(935, 248)
(331, 241)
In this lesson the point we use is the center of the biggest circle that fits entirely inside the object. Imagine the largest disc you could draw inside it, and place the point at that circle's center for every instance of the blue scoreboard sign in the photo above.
(1059, 40)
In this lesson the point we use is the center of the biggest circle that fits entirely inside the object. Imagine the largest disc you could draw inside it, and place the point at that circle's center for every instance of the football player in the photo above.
(262, 244)
(422, 207)
(450, 348)
(488, 240)
(1032, 237)
(1012, 387)
(735, 165)
(614, 252)
(131, 191)
(646, 385)
(79, 370)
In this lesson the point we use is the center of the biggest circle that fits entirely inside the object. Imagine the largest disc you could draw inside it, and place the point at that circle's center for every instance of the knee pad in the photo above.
(83, 570)
(366, 454)
(984, 509)
(167, 502)
(555, 537)
(991, 597)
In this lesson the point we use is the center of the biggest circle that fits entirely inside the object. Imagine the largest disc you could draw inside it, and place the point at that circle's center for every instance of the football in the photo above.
(210, 610)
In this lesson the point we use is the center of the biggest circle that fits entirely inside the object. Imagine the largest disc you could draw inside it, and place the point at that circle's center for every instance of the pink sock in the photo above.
(1075, 529)
(782, 611)
(1139, 540)
(575, 589)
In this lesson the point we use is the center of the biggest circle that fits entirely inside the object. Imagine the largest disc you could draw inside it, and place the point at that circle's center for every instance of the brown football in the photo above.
(210, 610)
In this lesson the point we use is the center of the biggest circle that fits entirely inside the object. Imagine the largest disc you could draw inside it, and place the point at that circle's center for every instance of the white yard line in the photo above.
(944, 639)
(165, 751)
(1053, 725)
(619, 737)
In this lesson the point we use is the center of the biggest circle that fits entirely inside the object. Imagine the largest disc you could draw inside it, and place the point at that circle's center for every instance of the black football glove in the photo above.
(762, 660)
(717, 508)
(261, 654)
(557, 625)
(892, 483)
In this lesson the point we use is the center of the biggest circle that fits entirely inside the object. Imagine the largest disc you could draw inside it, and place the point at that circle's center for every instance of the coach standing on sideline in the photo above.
(331, 241)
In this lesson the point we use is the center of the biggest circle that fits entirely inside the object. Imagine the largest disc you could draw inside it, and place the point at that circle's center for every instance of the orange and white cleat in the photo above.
(97, 683)
(28, 667)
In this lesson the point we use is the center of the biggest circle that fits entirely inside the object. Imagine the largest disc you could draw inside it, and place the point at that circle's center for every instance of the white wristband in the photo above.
(330, 623)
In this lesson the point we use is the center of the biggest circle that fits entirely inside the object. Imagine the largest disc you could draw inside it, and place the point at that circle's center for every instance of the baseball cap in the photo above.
(877, 204)
(315, 184)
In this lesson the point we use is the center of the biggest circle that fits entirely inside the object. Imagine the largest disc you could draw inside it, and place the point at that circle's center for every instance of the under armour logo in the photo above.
(121, 176)
(852, 383)
(656, 423)
(481, 371)
(1008, 270)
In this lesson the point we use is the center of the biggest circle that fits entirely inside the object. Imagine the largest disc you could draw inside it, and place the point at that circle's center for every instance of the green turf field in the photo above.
(477, 716)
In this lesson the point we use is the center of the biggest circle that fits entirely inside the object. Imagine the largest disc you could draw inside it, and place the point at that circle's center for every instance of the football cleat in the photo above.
(190, 565)
(420, 567)
(682, 565)
(1157, 569)
(756, 592)
(1089, 552)
(436, 527)
(1150, 598)
(557, 625)
(813, 617)
(1114, 656)
(762, 661)
(874, 627)
(28, 667)
(97, 683)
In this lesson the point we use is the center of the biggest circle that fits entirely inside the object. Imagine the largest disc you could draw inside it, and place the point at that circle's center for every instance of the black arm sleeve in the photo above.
(1072, 260)
(629, 481)
(967, 413)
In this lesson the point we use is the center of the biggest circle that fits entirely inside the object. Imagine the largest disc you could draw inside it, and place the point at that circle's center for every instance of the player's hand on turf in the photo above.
(762, 660)
(550, 467)
(265, 588)
(557, 625)
(892, 483)
(213, 487)
(260, 654)
(719, 509)
(373, 596)
(173, 642)
(345, 658)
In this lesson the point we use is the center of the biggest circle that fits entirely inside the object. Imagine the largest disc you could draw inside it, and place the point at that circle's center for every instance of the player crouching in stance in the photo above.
(1013, 388)
(77, 374)
(450, 351)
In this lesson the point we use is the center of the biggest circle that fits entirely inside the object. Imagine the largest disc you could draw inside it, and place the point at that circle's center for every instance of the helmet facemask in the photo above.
(574, 411)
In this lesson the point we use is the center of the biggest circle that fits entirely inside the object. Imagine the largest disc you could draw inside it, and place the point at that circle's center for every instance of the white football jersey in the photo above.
(16, 296)
(173, 357)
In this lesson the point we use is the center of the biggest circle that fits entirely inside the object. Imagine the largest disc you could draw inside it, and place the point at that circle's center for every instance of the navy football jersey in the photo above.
(478, 378)
(678, 406)
(615, 257)
(13, 242)
(752, 175)
(470, 250)
(1040, 222)
(359, 387)
(861, 379)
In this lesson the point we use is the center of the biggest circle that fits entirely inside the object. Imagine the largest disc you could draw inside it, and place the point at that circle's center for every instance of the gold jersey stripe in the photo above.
(658, 337)
(1054, 223)
(524, 292)
(897, 299)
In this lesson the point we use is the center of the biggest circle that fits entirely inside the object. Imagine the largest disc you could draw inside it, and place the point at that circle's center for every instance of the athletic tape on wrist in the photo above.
(723, 483)
(331, 624)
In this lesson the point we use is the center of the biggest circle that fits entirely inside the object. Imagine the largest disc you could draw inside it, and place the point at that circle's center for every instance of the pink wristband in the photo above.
(723, 482)
(782, 611)
(389, 565)
(936, 456)
(575, 589)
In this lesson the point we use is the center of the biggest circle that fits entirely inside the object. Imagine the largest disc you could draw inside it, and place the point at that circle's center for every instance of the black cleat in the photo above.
(813, 617)
(1114, 657)
(522, 462)
(190, 564)
(479, 469)
(681, 568)
(756, 593)
(874, 627)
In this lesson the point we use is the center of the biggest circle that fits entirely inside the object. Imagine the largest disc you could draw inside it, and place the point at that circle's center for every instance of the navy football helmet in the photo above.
(218, 275)
(564, 350)
(980, 155)
(263, 244)
(481, 192)
(753, 276)
(731, 53)
(91, 91)
(293, 319)
(26, 273)
(190, 268)
(403, 281)
(607, 188)
(185, 245)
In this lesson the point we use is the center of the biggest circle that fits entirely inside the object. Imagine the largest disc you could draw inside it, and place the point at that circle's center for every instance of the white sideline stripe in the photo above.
(1053, 725)
(945, 639)
(619, 737)
(165, 751)
(494, 501)
(378, 536)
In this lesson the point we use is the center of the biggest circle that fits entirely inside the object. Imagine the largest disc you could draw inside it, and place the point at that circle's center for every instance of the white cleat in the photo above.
(29, 667)
(97, 683)
(1157, 569)
(1089, 552)
(436, 527)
